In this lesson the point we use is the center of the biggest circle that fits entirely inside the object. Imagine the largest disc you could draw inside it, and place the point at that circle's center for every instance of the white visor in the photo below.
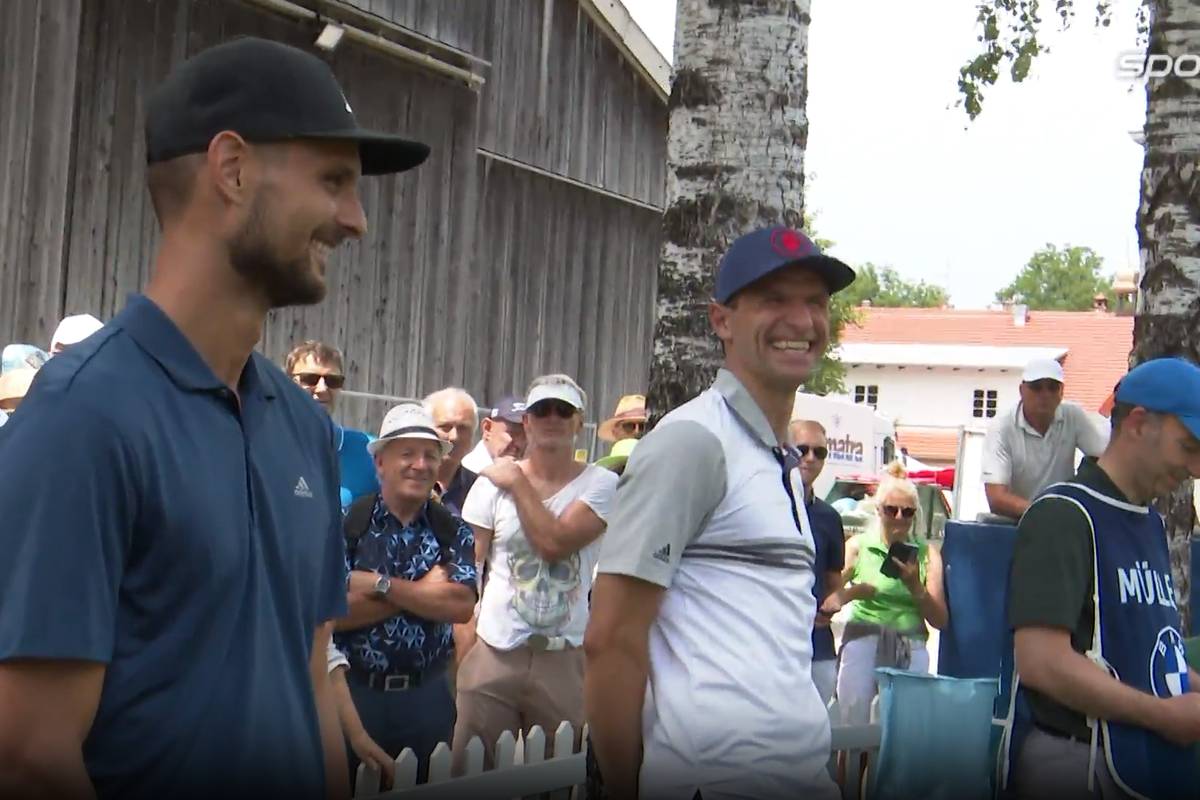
(554, 391)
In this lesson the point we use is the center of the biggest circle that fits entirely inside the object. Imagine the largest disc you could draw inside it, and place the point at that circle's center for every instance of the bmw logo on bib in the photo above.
(1168, 664)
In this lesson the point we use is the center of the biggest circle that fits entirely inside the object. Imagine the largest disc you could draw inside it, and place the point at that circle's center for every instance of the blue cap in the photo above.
(509, 409)
(1165, 385)
(761, 252)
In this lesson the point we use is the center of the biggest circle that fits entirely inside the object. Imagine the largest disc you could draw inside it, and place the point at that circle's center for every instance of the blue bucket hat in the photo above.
(759, 253)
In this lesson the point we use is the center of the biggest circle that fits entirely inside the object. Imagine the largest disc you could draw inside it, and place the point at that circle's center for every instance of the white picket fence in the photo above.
(522, 769)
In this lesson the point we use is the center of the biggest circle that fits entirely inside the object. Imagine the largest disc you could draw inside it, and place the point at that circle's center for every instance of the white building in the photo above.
(936, 370)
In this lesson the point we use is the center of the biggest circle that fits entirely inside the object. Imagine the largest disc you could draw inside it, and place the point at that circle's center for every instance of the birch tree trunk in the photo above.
(1168, 314)
(735, 162)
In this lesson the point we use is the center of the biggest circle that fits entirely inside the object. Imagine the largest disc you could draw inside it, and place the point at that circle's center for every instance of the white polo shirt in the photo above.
(1017, 456)
(705, 510)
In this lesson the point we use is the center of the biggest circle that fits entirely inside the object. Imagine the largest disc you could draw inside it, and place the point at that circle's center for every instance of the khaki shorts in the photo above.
(513, 690)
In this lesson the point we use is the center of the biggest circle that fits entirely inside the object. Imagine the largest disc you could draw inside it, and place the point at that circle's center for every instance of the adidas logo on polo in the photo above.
(302, 489)
(663, 554)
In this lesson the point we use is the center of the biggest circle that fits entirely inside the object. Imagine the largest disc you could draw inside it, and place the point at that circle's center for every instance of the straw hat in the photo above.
(14, 384)
(631, 408)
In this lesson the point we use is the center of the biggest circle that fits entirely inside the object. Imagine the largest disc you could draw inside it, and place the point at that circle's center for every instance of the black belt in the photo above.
(394, 681)
(1057, 734)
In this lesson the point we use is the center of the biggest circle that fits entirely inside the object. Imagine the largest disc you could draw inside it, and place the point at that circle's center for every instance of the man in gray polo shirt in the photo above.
(699, 647)
(1033, 444)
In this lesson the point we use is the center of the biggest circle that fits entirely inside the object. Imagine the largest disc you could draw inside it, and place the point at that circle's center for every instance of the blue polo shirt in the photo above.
(190, 542)
(355, 464)
(830, 538)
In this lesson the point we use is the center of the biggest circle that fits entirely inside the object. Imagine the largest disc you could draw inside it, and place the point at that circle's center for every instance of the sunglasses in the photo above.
(1044, 385)
(908, 512)
(819, 452)
(311, 379)
(556, 407)
(634, 427)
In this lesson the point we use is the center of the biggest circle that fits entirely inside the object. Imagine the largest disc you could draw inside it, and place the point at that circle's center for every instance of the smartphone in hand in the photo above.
(900, 551)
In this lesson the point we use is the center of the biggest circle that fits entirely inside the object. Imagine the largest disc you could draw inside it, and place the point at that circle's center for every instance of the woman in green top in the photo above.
(887, 625)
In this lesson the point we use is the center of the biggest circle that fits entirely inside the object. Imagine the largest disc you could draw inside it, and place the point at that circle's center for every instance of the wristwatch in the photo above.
(382, 584)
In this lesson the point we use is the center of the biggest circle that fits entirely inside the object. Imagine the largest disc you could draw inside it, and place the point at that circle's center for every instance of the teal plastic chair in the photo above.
(936, 737)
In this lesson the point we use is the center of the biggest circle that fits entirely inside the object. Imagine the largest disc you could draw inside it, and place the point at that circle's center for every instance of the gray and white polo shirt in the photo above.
(706, 510)
(1017, 456)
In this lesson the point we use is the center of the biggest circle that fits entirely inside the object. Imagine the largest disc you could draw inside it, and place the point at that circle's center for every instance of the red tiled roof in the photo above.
(928, 444)
(1097, 343)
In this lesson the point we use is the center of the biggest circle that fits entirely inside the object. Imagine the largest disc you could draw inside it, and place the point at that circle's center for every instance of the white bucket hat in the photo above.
(407, 421)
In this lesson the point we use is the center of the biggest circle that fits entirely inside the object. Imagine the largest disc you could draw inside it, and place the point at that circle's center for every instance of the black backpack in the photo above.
(358, 520)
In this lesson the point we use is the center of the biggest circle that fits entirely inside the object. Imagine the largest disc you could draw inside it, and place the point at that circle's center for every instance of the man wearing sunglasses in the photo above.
(1033, 445)
(537, 525)
(627, 422)
(317, 368)
(829, 536)
(699, 679)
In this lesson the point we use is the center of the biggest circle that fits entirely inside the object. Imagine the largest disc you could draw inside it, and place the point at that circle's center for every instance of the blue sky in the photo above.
(900, 177)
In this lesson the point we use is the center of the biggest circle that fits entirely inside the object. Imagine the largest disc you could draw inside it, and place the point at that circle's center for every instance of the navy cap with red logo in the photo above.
(759, 253)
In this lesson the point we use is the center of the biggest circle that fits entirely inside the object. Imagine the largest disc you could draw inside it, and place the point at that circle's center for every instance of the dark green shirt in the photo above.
(1051, 582)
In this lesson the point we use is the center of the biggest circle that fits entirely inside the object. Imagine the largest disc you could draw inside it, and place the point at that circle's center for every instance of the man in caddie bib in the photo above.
(1098, 695)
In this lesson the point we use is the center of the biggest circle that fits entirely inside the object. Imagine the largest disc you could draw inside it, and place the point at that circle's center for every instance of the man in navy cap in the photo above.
(699, 648)
(1101, 695)
(172, 534)
(502, 434)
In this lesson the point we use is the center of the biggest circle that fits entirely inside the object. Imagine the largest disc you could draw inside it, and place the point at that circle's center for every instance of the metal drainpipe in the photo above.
(375, 42)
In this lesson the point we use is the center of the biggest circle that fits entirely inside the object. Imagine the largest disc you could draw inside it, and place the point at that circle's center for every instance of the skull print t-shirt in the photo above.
(524, 594)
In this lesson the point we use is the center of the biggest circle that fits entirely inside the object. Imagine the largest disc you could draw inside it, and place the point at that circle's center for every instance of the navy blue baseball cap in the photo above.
(759, 253)
(1165, 385)
(509, 409)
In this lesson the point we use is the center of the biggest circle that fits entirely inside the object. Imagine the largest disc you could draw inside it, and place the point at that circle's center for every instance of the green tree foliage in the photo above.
(829, 374)
(883, 286)
(1008, 37)
(1059, 280)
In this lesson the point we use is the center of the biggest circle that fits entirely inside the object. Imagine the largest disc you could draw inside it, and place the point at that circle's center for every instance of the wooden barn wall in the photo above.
(462, 24)
(578, 109)
(37, 105)
(565, 283)
(581, 111)
(389, 304)
(473, 272)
